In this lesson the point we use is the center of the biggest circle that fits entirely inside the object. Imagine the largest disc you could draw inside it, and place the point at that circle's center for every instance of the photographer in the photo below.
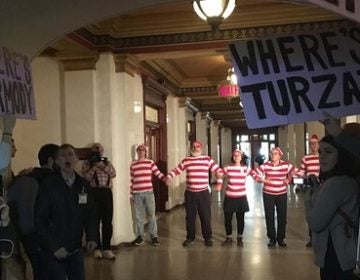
(99, 171)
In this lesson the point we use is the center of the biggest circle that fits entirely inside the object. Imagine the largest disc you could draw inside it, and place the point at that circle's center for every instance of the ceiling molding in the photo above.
(158, 43)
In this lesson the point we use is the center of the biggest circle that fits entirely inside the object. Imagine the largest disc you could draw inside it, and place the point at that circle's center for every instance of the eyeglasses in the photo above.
(196, 146)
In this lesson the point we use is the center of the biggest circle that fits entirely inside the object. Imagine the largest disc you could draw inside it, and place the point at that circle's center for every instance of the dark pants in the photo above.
(228, 222)
(33, 251)
(104, 207)
(332, 269)
(198, 202)
(280, 202)
(72, 268)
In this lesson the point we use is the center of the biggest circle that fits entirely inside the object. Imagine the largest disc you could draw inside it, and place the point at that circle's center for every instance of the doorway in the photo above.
(155, 135)
(256, 144)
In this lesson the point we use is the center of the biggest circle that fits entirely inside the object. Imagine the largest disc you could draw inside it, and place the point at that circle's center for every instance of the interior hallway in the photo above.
(254, 261)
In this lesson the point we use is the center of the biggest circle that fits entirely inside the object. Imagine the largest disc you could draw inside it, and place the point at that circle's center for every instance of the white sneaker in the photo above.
(98, 254)
(108, 254)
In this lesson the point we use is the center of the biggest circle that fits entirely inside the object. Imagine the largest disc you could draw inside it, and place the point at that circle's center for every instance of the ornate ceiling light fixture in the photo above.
(214, 11)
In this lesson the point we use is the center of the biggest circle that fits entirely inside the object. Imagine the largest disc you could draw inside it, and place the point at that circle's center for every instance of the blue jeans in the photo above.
(72, 267)
(145, 205)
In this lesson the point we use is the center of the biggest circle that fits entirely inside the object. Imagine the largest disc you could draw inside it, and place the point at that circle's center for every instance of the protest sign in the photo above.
(16, 88)
(294, 78)
(347, 8)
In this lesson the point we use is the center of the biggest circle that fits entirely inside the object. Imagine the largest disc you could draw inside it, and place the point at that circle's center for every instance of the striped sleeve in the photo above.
(156, 171)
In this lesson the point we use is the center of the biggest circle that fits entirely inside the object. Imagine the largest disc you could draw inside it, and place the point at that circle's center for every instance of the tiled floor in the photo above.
(254, 261)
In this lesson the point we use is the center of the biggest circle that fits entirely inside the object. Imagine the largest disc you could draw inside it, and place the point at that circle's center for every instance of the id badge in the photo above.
(83, 198)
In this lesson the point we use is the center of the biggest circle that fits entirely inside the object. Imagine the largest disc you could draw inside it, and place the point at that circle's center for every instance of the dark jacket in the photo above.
(59, 217)
(40, 173)
(21, 198)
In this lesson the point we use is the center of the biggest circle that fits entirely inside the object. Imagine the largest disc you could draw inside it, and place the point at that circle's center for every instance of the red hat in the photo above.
(277, 149)
(197, 143)
(141, 146)
(314, 138)
(237, 151)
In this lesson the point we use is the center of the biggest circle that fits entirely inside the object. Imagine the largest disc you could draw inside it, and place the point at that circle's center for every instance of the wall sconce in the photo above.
(214, 11)
(137, 107)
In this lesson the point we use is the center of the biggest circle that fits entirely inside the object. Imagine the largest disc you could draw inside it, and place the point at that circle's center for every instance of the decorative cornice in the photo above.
(206, 116)
(126, 63)
(78, 63)
(198, 90)
(155, 42)
(191, 105)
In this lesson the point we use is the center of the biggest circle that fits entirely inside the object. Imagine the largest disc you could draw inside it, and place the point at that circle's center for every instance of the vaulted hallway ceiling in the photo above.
(171, 43)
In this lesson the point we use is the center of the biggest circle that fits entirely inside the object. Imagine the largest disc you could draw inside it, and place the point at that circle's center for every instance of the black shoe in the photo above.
(138, 241)
(282, 243)
(271, 243)
(155, 241)
(208, 242)
(188, 242)
(227, 241)
(309, 244)
(240, 242)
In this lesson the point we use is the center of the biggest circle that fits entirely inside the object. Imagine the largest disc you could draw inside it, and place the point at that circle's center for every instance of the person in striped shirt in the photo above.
(310, 166)
(275, 175)
(235, 196)
(142, 195)
(197, 193)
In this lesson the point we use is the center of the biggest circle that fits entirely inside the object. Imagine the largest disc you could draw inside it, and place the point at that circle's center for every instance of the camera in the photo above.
(310, 182)
(96, 157)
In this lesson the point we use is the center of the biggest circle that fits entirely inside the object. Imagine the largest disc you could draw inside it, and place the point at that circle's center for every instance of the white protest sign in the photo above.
(16, 88)
(347, 8)
(294, 78)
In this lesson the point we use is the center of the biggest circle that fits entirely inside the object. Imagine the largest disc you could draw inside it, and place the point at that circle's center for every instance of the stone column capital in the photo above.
(126, 63)
(79, 63)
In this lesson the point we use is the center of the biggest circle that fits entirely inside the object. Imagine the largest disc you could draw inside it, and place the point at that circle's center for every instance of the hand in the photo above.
(61, 253)
(218, 187)
(9, 123)
(100, 164)
(91, 246)
(332, 126)
(4, 213)
(167, 181)
(131, 199)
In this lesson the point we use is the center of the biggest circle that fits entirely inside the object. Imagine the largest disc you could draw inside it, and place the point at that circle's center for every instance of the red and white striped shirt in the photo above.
(141, 175)
(236, 180)
(276, 176)
(197, 172)
(310, 165)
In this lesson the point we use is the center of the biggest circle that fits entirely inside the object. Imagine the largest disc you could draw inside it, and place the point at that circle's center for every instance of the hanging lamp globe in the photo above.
(214, 11)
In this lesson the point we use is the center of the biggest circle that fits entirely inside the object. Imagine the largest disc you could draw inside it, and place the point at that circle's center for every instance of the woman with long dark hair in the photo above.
(333, 210)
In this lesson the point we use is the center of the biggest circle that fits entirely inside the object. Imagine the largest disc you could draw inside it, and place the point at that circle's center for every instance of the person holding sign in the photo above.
(6, 141)
(235, 196)
(275, 175)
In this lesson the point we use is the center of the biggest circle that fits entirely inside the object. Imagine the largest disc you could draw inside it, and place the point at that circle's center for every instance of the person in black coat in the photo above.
(63, 210)
(21, 199)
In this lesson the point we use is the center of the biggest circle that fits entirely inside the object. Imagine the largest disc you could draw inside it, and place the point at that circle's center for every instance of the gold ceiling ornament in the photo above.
(214, 11)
